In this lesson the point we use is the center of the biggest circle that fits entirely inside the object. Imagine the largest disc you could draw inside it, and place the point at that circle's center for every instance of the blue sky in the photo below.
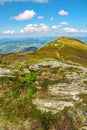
(43, 18)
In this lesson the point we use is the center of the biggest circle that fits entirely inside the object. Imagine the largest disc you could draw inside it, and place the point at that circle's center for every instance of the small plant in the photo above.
(85, 82)
(16, 102)
(44, 84)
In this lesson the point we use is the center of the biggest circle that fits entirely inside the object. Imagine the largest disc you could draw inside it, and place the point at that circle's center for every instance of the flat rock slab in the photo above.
(65, 94)
(5, 72)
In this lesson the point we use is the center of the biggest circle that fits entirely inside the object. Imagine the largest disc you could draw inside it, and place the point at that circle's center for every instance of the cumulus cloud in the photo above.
(40, 17)
(8, 32)
(83, 31)
(71, 30)
(74, 30)
(63, 12)
(26, 15)
(35, 28)
(63, 23)
(51, 19)
(54, 27)
(38, 1)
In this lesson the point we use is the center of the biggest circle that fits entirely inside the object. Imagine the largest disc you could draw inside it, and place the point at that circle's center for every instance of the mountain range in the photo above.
(11, 45)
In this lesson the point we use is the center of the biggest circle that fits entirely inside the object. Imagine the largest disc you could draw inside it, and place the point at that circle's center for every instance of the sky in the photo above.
(43, 18)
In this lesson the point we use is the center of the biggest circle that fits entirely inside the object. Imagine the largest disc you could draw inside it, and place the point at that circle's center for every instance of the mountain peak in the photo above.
(65, 48)
(68, 39)
(63, 37)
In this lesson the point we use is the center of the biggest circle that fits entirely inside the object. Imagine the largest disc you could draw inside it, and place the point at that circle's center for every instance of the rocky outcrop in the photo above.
(56, 64)
(5, 72)
(62, 94)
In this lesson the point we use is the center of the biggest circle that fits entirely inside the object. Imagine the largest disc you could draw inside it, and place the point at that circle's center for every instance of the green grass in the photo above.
(17, 92)
(17, 99)
(16, 103)
(68, 49)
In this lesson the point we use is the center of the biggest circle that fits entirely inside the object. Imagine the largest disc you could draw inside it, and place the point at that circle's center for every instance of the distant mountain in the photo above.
(29, 49)
(65, 48)
(11, 45)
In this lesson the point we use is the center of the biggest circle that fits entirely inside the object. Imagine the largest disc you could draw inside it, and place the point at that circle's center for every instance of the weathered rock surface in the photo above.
(59, 94)
(62, 94)
(5, 72)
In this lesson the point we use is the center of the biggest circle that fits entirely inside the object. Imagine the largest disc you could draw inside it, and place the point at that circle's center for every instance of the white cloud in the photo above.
(63, 23)
(38, 1)
(51, 19)
(54, 27)
(26, 15)
(83, 31)
(8, 32)
(35, 28)
(63, 12)
(40, 17)
(71, 30)
(74, 30)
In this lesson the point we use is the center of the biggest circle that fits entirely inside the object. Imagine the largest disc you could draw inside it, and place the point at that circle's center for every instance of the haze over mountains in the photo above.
(10, 45)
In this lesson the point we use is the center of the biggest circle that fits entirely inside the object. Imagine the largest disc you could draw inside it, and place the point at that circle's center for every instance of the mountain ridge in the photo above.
(65, 48)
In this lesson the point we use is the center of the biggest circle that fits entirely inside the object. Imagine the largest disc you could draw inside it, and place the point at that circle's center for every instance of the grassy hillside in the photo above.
(39, 91)
(65, 48)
